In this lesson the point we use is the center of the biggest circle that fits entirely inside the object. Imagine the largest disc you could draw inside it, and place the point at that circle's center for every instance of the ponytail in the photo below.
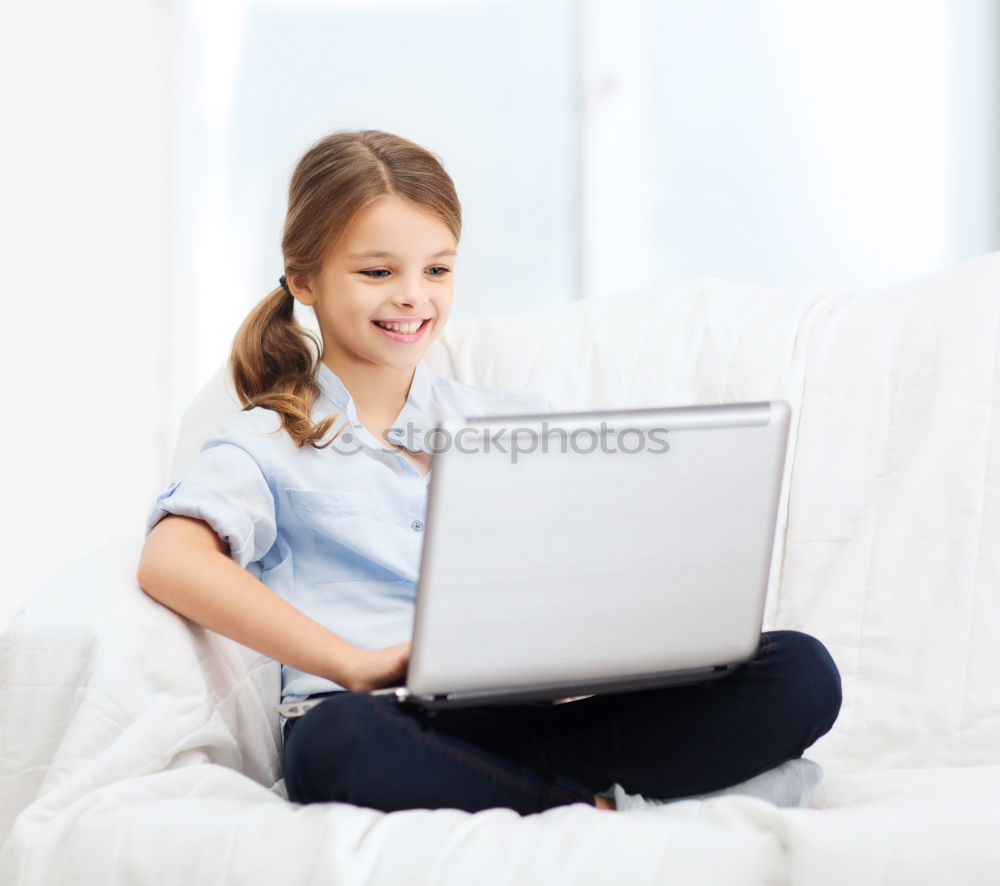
(273, 365)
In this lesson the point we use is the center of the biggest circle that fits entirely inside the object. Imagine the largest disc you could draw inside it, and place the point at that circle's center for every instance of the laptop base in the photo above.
(554, 691)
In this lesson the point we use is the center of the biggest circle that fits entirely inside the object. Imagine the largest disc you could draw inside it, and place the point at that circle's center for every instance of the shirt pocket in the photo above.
(317, 505)
(342, 538)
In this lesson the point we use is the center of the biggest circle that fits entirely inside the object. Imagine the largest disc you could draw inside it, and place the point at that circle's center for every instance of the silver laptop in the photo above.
(576, 553)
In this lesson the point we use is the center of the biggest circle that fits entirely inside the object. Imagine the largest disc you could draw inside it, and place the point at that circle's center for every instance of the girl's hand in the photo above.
(374, 668)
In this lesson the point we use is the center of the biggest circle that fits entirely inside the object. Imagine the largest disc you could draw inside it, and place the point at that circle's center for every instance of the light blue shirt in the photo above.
(337, 532)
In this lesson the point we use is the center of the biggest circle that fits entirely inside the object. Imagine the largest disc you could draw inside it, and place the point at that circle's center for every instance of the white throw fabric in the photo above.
(136, 747)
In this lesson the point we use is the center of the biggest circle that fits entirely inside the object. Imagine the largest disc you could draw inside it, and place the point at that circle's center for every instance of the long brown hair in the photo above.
(272, 361)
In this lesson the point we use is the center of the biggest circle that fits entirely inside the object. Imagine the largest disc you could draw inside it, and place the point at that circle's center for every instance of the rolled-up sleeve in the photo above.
(225, 487)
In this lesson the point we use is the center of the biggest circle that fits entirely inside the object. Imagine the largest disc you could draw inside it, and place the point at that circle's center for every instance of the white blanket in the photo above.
(136, 747)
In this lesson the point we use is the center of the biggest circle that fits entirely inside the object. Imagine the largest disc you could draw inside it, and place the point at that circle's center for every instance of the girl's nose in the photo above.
(410, 299)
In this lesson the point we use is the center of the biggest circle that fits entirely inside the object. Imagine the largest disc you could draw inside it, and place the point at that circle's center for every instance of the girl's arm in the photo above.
(186, 566)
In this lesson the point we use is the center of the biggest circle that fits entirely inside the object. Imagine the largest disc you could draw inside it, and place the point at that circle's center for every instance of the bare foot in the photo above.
(604, 803)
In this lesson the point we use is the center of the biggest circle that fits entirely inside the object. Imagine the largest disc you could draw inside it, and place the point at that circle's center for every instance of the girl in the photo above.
(305, 544)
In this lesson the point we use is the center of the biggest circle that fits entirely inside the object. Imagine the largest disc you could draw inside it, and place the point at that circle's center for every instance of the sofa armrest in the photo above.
(101, 682)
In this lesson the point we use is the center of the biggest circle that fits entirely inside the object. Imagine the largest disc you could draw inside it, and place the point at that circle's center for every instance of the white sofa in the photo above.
(136, 747)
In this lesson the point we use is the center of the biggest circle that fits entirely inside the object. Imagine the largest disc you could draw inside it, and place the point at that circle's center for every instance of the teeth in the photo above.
(404, 328)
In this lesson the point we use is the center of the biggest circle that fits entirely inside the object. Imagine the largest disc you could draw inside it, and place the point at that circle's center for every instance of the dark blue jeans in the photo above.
(666, 743)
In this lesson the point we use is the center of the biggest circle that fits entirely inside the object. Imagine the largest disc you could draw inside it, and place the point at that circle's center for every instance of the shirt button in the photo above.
(417, 525)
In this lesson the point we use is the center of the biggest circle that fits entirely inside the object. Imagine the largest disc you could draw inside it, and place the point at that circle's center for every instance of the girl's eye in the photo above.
(378, 273)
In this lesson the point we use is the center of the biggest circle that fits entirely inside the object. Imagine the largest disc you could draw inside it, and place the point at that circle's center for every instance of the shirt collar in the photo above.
(418, 399)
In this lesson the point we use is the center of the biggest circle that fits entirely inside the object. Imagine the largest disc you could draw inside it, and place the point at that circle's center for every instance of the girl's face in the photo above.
(411, 280)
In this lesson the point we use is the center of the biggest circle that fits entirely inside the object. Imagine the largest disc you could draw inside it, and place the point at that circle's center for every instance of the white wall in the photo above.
(847, 144)
(85, 258)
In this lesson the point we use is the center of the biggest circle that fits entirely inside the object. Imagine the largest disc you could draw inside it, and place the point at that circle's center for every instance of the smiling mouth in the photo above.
(397, 335)
(423, 323)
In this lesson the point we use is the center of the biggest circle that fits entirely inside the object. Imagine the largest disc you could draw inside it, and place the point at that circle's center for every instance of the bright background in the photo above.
(598, 147)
